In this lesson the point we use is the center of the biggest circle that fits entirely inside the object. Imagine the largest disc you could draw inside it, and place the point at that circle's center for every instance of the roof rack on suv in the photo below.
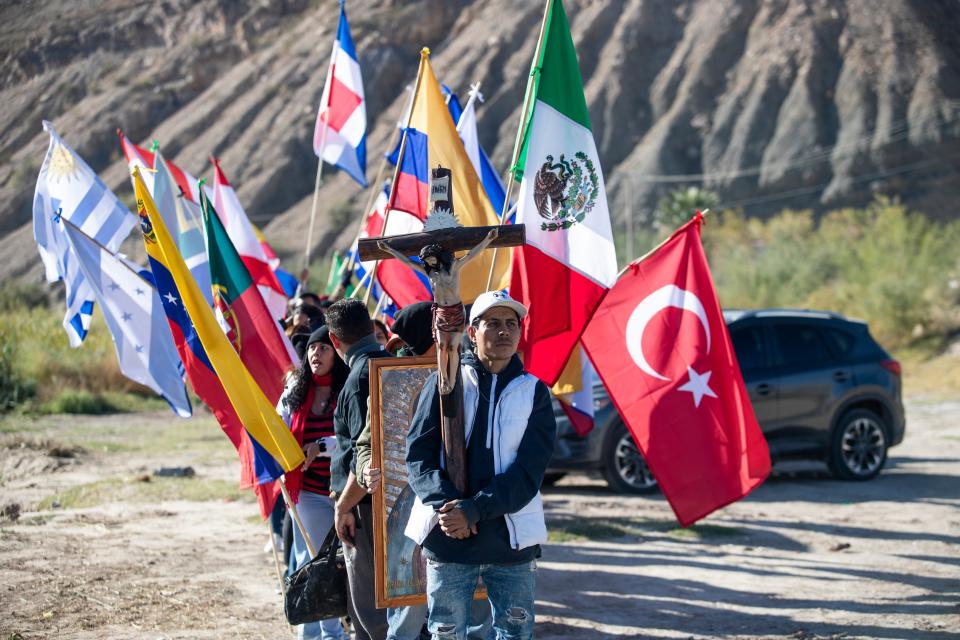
(736, 314)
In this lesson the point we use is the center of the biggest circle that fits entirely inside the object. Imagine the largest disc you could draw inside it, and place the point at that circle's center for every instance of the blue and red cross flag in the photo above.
(340, 135)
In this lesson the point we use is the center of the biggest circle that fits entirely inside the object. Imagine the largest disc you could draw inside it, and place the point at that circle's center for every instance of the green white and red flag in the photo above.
(569, 261)
(257, 338)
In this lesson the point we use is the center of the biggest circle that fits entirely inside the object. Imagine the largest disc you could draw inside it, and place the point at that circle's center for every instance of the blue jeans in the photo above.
(316, 513)
(406, 622)
(450, 588)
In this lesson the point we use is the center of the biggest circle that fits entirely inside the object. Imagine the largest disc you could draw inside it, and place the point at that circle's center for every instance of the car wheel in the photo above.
(552, 477)
(858, 448)
(624, 468)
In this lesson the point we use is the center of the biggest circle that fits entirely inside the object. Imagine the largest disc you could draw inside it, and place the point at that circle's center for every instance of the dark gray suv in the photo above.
(820, 385)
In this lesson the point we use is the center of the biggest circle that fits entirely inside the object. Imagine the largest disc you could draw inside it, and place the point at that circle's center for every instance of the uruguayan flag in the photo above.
(184, 220)
(68, 188)
(135, 317)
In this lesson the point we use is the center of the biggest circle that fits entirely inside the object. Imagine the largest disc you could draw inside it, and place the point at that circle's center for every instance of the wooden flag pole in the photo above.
(296, 518)
(361, 284)
(703, 214)
(424, 54)
(374, 190)
(319, 180)
(524, 113)
(276, 556)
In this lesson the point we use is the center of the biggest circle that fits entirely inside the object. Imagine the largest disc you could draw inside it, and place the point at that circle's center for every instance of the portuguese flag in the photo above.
(569, 261)
(239, 308)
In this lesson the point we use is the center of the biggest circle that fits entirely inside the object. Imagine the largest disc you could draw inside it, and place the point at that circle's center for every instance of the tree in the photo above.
(679, 205)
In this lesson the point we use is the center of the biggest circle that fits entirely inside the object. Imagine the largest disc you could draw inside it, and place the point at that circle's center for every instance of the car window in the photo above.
(840, 341)
(748, 344)
(801, 345)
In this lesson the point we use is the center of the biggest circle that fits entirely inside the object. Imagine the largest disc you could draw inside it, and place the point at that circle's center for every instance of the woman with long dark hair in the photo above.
(307, 407)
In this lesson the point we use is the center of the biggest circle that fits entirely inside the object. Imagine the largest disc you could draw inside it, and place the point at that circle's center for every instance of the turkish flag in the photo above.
(661, 347)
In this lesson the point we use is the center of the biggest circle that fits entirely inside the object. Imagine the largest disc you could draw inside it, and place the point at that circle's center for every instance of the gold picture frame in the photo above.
(400, 569)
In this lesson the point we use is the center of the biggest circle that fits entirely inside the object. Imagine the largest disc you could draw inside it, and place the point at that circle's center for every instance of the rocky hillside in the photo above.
(771, 103)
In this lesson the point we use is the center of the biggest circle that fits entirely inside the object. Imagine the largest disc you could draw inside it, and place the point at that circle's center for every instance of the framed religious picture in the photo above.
(395, 385)
(400, 566)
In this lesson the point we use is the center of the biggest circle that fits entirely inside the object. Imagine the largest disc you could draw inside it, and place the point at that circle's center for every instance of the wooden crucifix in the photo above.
(435, 246)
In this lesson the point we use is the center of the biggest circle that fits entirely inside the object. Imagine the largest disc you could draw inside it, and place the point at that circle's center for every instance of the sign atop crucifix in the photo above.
(442, 236)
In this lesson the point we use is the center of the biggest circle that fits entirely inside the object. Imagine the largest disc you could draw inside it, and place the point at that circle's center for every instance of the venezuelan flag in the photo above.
(432, 140)
(265, 428)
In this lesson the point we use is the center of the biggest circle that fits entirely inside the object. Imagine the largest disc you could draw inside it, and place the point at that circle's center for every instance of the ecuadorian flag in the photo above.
(431, 140)
(265, 428)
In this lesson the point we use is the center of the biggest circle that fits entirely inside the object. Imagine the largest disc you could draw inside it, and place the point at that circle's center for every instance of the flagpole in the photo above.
(276, 556)
(376, 187)
(94, 241)
(527, 105)
(703, 214)
(319, 180)
(361, 284)
(424, 54)
(296, 518)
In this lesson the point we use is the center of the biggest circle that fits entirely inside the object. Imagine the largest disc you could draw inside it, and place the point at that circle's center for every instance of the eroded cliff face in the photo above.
(773, 104)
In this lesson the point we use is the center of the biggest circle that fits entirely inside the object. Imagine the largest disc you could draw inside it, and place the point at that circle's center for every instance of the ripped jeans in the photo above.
(450, 588)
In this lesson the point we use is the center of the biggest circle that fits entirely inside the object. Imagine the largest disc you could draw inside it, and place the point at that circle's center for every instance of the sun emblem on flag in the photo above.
(226, 318)
(62, 165)
(565, 191)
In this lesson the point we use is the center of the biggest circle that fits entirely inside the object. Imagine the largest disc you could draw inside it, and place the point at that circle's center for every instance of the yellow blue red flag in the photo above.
(255, 412)
(432, 140)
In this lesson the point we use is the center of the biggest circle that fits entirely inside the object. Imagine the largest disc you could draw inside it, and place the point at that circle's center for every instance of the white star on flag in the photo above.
(172, 299)
(698, 386)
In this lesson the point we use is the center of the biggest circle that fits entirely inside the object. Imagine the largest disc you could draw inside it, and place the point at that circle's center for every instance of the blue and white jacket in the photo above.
(506, 460)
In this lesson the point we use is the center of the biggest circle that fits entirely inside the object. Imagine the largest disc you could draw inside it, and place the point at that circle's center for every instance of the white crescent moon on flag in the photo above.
(664, 297)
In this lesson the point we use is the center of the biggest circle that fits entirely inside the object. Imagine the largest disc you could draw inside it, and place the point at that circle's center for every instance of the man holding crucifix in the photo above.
(481, 437)
(493, 529)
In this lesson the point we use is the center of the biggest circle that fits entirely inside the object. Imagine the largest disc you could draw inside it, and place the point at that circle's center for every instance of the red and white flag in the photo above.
(245, 240)
(340, 135)
(662, 349)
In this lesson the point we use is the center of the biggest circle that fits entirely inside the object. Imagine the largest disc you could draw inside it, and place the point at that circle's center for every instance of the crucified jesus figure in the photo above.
(449, 321)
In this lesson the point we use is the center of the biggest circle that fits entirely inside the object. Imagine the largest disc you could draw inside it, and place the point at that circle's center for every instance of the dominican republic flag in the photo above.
(68, 189)
(244, 238)
(569, 261)
(431, 140)
(401, 283)
(340, 136)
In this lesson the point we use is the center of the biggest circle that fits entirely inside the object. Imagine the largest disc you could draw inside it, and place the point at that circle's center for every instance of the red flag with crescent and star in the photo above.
(661, 347)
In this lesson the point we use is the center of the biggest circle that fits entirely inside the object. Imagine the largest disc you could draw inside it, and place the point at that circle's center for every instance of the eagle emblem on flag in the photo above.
(565, 191)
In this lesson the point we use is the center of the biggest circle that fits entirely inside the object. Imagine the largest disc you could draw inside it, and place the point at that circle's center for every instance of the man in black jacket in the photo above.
(495, 529)
(351, 332)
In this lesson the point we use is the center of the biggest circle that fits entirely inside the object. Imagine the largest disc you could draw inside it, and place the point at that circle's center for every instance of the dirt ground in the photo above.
(803, 557)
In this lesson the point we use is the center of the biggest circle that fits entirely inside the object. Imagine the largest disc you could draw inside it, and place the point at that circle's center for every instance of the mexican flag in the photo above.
(569, 261)
(239, 308)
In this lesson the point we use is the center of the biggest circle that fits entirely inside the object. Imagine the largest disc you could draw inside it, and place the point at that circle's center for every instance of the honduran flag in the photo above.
(431, 140)
(340, 135)
(569, 261)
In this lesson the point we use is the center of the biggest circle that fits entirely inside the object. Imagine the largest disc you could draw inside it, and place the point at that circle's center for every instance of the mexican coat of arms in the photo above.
(565, 191)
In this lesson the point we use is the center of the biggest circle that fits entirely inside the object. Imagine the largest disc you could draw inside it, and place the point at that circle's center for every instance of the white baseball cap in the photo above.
(491, 299)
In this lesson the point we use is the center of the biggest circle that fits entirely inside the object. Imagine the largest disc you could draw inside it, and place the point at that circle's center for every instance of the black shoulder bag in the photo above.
(318, 589)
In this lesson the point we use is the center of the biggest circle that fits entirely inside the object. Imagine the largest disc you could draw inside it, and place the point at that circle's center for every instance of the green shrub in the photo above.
(896, 269)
